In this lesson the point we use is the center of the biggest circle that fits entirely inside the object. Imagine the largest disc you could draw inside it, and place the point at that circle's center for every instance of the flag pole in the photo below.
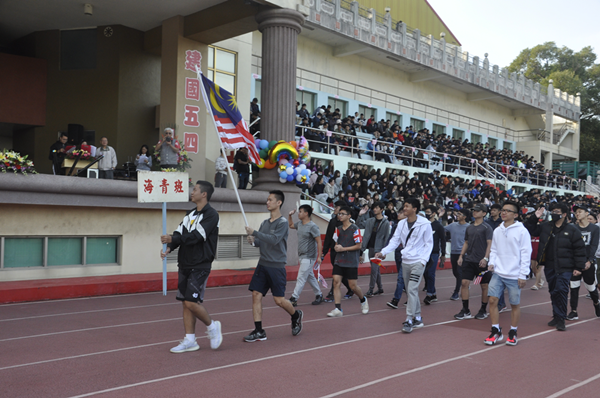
(207, 104)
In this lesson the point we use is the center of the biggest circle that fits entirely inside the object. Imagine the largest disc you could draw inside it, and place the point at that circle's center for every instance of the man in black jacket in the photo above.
(196, 237)
(439, 245)
(329, 244)
(57, 154)
(562, 251)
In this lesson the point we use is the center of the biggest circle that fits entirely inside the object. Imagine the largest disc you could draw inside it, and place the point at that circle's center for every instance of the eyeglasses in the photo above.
(343, 214)
(507, 211)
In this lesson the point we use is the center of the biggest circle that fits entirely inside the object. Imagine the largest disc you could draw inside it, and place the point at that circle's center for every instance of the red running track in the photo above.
(118, 346)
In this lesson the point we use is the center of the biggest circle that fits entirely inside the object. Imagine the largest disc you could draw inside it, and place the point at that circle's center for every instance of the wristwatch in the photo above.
(486, 259)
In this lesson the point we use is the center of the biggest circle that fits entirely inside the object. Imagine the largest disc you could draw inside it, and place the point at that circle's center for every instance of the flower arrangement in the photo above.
(13, 161)
(85, 155)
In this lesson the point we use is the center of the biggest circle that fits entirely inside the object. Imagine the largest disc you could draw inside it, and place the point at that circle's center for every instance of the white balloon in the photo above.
(302, 166)
(299, 177)
(282, 180)
(289, 171)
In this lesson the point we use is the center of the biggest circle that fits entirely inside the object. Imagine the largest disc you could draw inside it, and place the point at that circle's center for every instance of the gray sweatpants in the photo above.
(305, 272)
(412, 274)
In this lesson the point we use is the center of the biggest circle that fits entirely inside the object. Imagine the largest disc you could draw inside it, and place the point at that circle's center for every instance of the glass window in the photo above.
(493, 142)
(475, 138)
(507, 145)
(225, 81)
(257, 89)
(438, 129)
(457, 134)
(222, 68)
(64, 251)
(393, 117)
(365, 110)
(23, 252)
(338, 104)
(417, 124)
(101, 251)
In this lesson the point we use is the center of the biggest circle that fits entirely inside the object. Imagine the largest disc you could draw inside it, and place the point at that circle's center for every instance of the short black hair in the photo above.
(278, 195)
(307, 209)
(63, 134)
(207, 187)
(347, 209)
(340, 203)
(562, 206)
(378, 204)
(514, 204)
(433, 208)
(414, 202)
(496, 206)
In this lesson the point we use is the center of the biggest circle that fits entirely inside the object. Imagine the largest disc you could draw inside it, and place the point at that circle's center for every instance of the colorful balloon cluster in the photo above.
(290, 158)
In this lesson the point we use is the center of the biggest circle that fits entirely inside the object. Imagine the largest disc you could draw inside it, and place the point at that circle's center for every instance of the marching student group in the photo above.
(499, 253)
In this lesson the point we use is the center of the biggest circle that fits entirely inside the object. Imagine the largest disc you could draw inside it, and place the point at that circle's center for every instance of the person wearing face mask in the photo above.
(439, 244)
(562, 251)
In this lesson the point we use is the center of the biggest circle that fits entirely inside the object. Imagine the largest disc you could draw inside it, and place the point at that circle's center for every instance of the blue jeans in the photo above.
(558, 287)
(430, 274)
(243, 180)
(400, 282)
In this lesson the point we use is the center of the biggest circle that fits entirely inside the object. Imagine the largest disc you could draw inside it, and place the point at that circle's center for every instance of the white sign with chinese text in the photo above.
(160, 186)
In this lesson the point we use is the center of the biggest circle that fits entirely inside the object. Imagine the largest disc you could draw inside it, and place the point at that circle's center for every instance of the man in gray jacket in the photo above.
(377, 233)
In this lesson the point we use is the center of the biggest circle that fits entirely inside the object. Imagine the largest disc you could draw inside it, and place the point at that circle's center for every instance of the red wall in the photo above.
(22, 90)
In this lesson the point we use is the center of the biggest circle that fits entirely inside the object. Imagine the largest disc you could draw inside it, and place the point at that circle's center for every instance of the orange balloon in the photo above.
(294, 144)
(269, 165)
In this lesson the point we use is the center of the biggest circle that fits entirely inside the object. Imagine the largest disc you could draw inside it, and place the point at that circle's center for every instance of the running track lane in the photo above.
(121, 343)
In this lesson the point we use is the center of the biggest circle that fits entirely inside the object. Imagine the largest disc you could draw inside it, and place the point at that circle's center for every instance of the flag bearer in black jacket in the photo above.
(329, 244)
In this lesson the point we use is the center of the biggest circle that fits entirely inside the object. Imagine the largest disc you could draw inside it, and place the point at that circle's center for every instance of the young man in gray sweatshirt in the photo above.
(271, 239)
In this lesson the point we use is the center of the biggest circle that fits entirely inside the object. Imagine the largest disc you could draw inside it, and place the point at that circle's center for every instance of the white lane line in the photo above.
(302, 352)
(383, 379)
(575, 386)
(163, 342)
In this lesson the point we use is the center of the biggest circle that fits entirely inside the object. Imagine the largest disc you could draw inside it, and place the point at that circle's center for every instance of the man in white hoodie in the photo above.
(509, 259)
(416, 235)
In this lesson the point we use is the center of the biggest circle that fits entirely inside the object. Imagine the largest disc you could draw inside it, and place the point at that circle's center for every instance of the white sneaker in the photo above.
(365, 307)
(215, 336)
(185, 346)
(335, 313)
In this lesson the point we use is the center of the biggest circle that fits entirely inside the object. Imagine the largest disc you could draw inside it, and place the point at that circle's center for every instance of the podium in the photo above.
(81, 164)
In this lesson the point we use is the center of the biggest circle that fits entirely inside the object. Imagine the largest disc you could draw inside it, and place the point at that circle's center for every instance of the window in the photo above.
(475, 138)
(507, 145)
(234, 247)
(16, 252)
(222, 68)
(308, 98)
(78, 49)
(493, 142)
(337, 103)
(257, 90)
(392, 117)
(457, 134)
(438, 129)
(417, 124)
(365, 110)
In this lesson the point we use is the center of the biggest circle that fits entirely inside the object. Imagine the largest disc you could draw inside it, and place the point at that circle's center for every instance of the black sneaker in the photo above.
(463, 314)
(294, 301)
(588, 296)
(256, 336)
(494, 337)
(378, 292)
(369, 293)
(597, 309)
(560, 325)
(572, 316)
(297, 324)
(407, 327)
(481, 314)
(329, 298)
(512, 337)
(429, 299)
(553, 322)
(349, 295)
(394, 304)
(417, 324)
(318, 300)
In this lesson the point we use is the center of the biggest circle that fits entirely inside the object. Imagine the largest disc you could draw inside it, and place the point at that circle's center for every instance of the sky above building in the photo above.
(503, 29)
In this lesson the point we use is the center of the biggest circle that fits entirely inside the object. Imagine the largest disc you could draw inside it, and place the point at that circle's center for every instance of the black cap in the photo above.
(480, 207)
(575, 208)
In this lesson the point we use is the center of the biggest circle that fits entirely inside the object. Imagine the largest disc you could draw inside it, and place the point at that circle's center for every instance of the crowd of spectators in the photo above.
(327, 131)
(359, 187)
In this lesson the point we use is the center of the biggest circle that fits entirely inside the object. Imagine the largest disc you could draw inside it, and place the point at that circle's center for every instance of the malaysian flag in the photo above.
(232, 128)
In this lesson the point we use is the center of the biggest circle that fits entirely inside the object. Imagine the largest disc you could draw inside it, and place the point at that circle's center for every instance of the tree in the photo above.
(572, 72)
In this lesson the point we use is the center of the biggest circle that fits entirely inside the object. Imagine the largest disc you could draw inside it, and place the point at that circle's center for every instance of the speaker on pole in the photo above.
(75, 134)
